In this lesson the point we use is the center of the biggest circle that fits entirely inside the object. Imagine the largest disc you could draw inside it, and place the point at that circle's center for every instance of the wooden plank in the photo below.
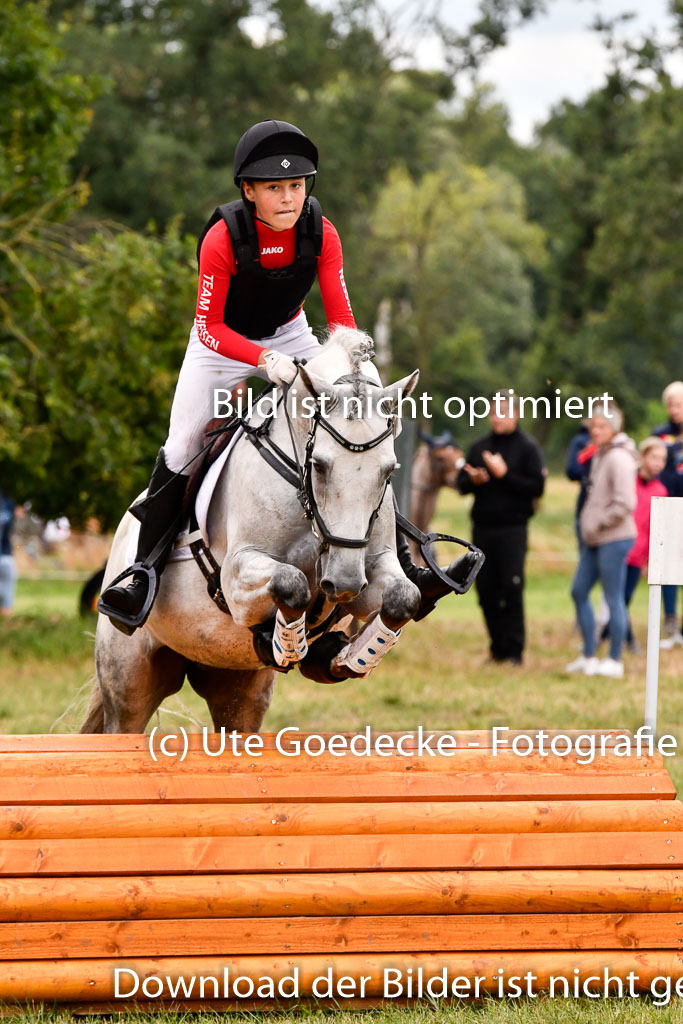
(271, 764)
(94, 980)
(23, 822)
(326, 894)
(326, 853)
(91, 742)
(301, 788)
(287, 936)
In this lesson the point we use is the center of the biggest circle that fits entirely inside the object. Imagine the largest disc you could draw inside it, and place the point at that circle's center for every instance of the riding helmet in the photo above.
(274, 149)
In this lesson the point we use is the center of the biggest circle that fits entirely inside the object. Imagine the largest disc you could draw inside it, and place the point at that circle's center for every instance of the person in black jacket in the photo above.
(671, 432)
(506, 473)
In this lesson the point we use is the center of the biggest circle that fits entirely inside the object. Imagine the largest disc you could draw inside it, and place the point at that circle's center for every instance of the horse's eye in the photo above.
(319, 466)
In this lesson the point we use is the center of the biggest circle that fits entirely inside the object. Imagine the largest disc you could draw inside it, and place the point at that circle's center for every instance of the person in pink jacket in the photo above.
(653, 454)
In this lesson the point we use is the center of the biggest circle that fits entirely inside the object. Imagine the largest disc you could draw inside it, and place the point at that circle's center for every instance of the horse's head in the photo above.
(441, 460)
(346, 443)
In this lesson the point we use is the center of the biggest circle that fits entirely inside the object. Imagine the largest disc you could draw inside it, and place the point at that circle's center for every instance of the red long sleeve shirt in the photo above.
(278, 249)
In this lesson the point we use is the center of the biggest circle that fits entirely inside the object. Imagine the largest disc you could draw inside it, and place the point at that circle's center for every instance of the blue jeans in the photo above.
(606, 563)
(669, 594)
(8, 581)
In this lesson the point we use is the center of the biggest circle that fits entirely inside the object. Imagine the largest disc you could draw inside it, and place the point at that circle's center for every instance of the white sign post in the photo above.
(665, 567)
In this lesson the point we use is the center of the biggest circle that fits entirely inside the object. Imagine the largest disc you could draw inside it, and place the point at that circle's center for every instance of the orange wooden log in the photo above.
(385, 892)
(271, 764)
(94, 980)
(69, 743)
(326, 853)
(97, 821)
(295, 935)
(236, 788)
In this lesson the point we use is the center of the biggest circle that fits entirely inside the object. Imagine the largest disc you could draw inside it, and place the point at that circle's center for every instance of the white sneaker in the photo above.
(588, 666)
(669, 642)
(610, 668)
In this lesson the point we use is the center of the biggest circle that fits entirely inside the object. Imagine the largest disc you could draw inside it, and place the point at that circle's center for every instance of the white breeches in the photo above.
(203, 370)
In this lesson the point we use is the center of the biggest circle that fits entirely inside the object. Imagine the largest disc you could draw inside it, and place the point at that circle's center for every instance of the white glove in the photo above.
(279, 367)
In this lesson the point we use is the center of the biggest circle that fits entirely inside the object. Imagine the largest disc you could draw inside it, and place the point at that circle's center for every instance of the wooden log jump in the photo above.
(210, 880)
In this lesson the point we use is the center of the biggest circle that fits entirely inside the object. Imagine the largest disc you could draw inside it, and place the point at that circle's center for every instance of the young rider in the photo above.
(258, 258)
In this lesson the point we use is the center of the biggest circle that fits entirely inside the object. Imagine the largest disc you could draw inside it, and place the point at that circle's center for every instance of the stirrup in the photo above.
(129, 623)
(426, 540)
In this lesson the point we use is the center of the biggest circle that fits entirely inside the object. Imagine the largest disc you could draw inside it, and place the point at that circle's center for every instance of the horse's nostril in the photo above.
(327, 586)
(364, 587)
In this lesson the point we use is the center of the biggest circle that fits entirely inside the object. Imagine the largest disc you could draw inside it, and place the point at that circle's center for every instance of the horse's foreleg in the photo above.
(399, 602)
(258, 587)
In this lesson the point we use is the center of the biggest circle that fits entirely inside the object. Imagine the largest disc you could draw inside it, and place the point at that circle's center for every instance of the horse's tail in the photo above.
(94, 720)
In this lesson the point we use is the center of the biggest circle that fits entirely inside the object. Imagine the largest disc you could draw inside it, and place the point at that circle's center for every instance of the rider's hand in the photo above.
(279, 367)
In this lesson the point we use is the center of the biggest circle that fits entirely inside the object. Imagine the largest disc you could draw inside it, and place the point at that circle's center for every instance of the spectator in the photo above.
(648, 486)
(671, 433)
(8, 571)
(506, 473)
(607, 530)
(579, 454)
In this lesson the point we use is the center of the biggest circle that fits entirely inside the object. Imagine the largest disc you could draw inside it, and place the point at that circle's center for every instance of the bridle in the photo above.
(299, 474)
(300, 477)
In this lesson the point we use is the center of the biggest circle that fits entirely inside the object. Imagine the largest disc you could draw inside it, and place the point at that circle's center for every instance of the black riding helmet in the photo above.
(274, 149)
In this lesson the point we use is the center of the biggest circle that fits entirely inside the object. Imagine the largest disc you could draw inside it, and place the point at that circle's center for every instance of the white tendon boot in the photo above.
(369, 647)
(289, 640)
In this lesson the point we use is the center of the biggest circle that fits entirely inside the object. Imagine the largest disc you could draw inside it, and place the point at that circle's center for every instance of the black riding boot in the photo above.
(430, 586)
(158, 513)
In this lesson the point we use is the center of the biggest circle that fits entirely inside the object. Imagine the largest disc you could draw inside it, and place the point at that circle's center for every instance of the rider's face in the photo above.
(278, 203)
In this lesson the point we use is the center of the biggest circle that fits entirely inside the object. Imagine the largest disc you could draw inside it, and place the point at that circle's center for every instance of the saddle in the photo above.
(217, 435)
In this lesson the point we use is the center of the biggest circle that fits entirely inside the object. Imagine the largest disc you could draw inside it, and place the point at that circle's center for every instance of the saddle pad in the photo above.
(181, 551)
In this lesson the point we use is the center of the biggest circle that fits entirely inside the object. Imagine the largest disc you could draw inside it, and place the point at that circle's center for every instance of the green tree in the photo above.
(94, 409)
(454, 248)
(604, 181)
(162, 144)
(42, 117)
(92, 326)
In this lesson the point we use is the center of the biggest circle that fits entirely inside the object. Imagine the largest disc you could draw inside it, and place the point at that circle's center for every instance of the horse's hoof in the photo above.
(317, 665)
(263, 645)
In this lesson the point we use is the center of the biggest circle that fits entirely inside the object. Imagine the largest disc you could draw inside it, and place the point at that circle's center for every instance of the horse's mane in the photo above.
(358, 347)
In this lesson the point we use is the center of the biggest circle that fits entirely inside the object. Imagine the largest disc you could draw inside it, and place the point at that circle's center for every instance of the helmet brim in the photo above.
(272, 168)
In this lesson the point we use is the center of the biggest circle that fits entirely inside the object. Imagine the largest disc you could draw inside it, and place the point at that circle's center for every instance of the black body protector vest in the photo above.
(261, 300)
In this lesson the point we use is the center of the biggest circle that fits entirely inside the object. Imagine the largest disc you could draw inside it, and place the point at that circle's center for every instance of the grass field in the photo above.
(437, 677)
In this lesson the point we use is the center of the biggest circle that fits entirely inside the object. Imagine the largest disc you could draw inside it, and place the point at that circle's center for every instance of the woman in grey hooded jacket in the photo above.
(608, 530)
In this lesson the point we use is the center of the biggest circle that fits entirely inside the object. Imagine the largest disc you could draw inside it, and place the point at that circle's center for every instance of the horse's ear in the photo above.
(401, 389)
(313, 382)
